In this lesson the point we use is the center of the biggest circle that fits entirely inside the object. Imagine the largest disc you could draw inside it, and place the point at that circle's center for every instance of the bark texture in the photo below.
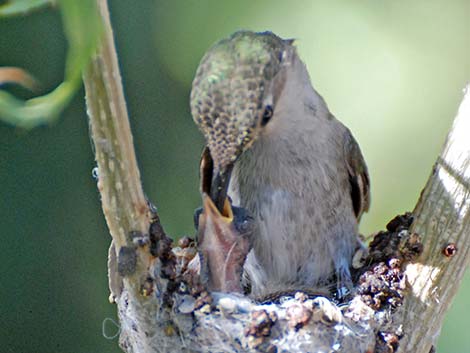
(442, 219)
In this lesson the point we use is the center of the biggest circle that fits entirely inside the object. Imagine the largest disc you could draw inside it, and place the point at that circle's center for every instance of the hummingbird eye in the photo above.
(267, 115)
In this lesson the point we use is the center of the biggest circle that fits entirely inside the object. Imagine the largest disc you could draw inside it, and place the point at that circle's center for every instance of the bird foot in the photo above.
(224, 241)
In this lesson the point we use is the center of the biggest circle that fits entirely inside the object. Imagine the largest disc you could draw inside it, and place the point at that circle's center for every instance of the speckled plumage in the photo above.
(229, 90)
(301, 176)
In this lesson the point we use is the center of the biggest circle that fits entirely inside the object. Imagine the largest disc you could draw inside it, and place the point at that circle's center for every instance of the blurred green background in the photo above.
(392, 71)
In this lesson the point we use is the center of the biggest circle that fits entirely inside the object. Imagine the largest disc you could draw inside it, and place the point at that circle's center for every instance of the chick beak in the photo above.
(224, 239)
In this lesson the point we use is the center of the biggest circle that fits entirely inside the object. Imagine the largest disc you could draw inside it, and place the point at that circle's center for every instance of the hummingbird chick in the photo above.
(278, 152)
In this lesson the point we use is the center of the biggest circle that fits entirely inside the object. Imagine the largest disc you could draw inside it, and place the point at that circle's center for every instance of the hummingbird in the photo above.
(274, 150)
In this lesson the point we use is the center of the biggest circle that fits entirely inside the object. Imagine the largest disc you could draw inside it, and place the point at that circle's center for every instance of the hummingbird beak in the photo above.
(223, 236)
(215, 183)
(219, 186)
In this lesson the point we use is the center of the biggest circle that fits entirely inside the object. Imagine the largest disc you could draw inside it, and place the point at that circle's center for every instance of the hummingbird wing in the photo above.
(358, 175)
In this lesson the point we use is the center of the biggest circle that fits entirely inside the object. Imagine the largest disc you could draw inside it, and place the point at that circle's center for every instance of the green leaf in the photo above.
(36, 111)
(22, 7)
(17, 76)
(82, 27)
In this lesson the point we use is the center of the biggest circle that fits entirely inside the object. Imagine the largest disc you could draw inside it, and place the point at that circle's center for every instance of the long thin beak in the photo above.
(219, 186)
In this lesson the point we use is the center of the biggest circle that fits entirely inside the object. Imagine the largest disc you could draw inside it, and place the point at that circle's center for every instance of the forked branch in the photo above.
(162, 308)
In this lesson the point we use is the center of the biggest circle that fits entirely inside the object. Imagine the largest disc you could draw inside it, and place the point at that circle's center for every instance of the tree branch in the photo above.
(124, 204)
(163, 307)
(442, 219)
(123, 200)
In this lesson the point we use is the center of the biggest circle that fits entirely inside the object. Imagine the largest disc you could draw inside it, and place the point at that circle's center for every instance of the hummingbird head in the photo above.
(234, 96)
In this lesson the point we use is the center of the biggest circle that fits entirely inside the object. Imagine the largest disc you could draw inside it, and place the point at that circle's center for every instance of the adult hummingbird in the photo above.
(276, 151)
